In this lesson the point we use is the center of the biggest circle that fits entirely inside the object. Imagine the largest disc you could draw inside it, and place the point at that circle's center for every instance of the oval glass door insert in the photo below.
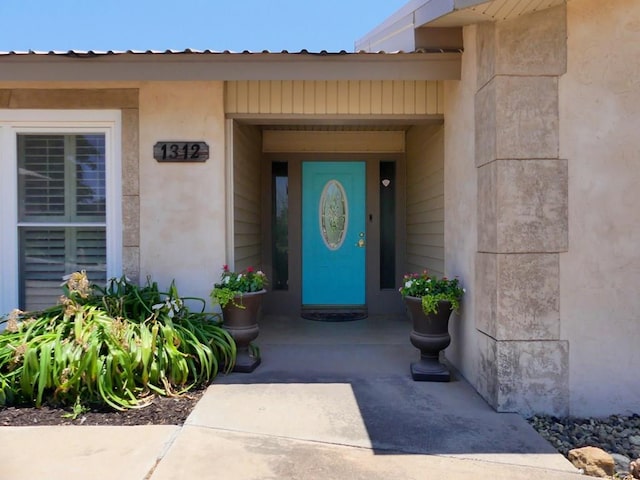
(334, 214)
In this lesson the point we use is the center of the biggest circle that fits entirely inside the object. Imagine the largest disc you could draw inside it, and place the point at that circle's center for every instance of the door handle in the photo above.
(360, 243)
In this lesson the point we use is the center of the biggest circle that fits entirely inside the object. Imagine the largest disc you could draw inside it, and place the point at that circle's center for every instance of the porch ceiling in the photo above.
(339, 128)
(339, 123)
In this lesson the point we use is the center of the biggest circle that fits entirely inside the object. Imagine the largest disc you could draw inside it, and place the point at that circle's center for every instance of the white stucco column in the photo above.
(182, 204)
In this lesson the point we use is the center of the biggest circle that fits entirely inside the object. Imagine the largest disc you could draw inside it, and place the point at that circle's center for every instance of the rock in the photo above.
(622, 462)
(634, 440)
(634, 468)
(593, 461)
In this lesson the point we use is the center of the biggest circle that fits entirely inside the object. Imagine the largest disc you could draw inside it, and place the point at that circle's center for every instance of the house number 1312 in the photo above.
(175, 151)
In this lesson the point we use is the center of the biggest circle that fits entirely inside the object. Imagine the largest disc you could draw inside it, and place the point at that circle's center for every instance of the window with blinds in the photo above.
(61, 212)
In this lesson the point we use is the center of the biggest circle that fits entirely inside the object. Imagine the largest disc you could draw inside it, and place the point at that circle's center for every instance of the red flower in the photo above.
(249, 269)
(225, 268)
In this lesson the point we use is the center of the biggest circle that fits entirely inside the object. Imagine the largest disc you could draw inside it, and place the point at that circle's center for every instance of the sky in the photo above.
(234, 25)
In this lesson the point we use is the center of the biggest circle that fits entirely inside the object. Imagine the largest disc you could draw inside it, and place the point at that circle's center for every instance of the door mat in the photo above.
(333, 315)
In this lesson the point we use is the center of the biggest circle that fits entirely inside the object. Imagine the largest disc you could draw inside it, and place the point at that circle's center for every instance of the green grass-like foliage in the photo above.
(116, 346)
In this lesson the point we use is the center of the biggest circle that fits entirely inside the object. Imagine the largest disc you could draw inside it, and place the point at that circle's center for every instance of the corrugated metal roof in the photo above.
(207, 65)
(189, 51)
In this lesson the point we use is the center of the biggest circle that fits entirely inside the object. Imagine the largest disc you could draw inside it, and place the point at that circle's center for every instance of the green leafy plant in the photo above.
(235, 284)
(77, 410)
(432, 290)
(117, 346)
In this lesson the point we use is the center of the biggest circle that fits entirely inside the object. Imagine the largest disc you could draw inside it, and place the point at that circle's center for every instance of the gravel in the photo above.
(618, 435)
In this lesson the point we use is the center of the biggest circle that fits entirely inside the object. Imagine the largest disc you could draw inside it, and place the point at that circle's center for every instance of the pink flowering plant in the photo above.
(432, 290)
(234, 284)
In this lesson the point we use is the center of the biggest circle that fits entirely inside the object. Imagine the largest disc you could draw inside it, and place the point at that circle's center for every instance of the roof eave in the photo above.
(214, 66)
(417, 13)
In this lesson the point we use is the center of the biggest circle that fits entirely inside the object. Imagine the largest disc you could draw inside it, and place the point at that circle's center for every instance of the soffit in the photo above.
(398, 30)
(496, 10)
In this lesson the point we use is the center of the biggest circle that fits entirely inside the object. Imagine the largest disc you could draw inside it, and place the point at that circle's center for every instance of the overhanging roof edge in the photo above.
(133, 67)
(419, 13)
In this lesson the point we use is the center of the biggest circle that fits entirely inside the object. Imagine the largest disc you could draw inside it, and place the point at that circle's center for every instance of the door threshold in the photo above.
(334, 314)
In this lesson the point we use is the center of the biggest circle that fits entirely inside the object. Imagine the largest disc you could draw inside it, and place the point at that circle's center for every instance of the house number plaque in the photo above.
(178, 151)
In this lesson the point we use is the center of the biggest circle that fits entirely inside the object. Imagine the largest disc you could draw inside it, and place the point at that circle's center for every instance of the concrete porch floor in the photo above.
(330, 401)
(347, 384)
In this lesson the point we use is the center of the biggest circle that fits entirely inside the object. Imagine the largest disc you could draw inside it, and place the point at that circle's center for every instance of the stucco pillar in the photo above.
(522, 214)
(130, 194)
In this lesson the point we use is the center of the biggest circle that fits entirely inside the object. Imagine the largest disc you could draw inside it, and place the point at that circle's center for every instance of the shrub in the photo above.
(117, 346)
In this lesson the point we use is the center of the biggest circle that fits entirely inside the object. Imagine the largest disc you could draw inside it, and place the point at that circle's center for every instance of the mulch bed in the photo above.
(163, 411)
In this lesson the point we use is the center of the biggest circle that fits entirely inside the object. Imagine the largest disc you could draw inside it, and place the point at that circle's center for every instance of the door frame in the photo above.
(378, 301)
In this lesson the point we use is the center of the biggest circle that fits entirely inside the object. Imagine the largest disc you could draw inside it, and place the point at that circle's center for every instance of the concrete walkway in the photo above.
(331, 401)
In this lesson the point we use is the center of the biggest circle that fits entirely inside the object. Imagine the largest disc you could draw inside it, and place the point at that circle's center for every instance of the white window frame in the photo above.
(14, 122)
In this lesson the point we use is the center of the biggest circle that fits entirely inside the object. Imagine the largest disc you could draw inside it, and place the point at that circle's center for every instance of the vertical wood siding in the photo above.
(425, 199)
(246, 198)
(340, 97)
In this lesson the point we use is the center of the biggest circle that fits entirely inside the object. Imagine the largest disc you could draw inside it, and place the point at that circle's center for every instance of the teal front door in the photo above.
(333, 234)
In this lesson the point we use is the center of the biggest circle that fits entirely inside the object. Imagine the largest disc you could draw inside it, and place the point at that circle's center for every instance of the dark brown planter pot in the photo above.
(430, 335)
(242, 324)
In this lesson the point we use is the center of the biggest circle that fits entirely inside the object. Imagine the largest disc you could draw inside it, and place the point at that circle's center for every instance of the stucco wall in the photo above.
(460, 193)
(600, 274)
(83, 95)
(425, 199)
(182, 205)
